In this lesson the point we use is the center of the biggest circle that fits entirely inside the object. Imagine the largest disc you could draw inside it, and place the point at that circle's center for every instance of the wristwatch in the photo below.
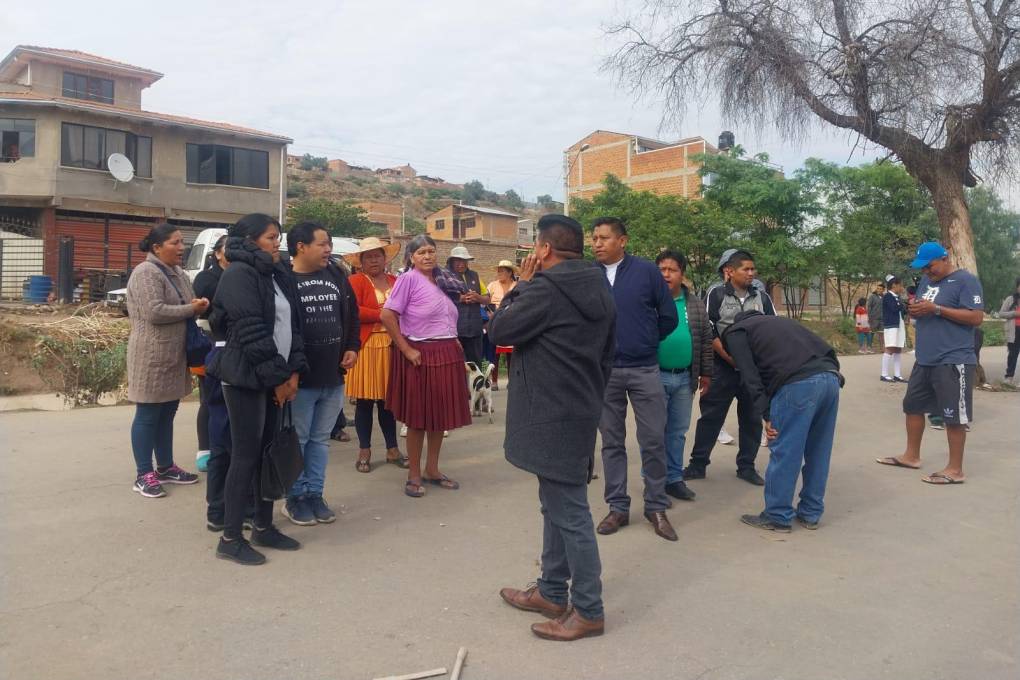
(938, 310)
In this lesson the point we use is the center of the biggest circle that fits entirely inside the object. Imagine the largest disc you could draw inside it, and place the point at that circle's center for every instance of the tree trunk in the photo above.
(954, 220)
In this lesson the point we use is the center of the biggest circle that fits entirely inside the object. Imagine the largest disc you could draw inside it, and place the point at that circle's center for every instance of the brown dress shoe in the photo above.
(569, 627)
(661, 525)
(612, 523)
(531, 600)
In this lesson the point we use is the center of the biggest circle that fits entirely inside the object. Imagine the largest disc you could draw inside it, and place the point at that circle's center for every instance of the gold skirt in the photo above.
(370, 377)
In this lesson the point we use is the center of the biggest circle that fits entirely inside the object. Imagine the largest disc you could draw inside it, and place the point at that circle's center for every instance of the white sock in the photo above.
(885, 365)
(896, 365)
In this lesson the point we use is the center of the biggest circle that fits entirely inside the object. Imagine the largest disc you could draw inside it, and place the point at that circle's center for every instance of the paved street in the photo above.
(903, 580)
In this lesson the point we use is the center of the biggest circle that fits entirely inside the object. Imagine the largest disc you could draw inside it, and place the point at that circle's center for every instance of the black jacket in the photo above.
(206, 283)
(469, 314)
(244, 312)
(561, 325)
(772, 351)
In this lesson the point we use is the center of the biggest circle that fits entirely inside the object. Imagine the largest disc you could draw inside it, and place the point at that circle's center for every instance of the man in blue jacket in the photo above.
(645, 316)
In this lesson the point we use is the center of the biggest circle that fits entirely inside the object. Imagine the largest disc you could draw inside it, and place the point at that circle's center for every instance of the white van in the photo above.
(207, 238)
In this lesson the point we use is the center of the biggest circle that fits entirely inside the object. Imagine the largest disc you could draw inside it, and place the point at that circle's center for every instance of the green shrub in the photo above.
(79, 370)
(995, 334)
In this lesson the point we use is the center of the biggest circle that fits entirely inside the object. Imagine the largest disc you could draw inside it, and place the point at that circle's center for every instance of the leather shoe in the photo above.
(680, 491)
(569, 627)
(751, 476)
(661, 525)
(691, 472)
(612, 523)
(530, 600)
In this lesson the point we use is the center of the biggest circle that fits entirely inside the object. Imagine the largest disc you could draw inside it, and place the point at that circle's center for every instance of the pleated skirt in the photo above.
(370, 377)
(434, 395)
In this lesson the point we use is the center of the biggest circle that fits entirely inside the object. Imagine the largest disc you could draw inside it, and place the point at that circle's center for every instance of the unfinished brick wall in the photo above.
(486, 254)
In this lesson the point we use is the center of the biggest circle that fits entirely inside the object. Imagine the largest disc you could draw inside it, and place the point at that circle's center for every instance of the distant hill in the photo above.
(419, 201)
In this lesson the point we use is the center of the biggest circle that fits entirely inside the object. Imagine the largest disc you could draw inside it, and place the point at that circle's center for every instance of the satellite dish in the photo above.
(120, 167)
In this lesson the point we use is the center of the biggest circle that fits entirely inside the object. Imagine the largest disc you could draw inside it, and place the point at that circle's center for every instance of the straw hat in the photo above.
(507, 264)
(372, 243)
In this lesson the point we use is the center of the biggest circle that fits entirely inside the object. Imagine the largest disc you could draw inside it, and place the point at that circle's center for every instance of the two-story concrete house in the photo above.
(63, 113)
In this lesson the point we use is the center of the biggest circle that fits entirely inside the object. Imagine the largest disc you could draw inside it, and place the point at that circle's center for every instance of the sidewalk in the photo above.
(903, 580)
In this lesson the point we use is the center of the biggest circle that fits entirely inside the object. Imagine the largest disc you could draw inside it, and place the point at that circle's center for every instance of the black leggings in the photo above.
(203, 415)
(363, 423)
(253, 419)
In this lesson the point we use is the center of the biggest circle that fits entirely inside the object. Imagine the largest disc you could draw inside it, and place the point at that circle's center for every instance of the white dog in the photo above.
(481, 390)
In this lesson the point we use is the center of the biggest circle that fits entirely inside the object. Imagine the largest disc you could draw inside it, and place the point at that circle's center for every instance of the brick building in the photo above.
(338, 167)
(389, 215)
(456, 222)
(641, 163)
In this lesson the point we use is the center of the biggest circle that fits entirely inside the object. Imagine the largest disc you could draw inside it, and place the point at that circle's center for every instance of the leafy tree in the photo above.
(296, 189)
(513, 200)
(936, 82)
(996, 239)
(473, 192)
(413, 226)
(339, 218)
(310, 162)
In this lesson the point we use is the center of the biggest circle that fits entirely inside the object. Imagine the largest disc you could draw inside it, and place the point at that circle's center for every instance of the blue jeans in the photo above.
(315, 411)
(804, 413)
(152, 430)
(679, 401)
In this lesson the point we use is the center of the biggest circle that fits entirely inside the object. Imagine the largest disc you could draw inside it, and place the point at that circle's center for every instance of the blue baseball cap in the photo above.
(926, 252)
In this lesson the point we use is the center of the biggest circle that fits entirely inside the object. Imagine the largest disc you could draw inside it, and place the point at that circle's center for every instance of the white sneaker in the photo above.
(725, 437)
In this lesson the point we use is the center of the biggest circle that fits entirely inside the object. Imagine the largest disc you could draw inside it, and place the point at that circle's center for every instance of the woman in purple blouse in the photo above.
(427, 390)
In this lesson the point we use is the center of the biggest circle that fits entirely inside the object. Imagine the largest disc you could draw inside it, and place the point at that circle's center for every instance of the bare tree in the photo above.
(936, 82)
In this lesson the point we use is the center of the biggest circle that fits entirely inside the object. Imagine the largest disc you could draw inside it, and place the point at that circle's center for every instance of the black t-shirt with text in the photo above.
(319, 302)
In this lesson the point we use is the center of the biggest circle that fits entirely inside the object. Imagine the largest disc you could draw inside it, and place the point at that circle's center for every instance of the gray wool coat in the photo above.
(156, 361)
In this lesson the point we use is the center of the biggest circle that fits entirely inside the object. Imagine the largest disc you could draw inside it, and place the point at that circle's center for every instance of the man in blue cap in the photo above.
(948, 305)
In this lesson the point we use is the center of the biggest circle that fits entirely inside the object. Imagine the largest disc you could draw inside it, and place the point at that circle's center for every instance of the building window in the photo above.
(227, 165)
(17, 139)
(467, 223)
(84, 146)
(87, 87)
(440, 225)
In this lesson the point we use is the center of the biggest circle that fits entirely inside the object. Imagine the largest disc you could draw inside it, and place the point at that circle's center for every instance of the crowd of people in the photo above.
(292, 337)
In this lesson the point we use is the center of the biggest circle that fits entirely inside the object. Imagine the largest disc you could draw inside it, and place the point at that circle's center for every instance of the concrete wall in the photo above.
(48, 79)
(42, 181)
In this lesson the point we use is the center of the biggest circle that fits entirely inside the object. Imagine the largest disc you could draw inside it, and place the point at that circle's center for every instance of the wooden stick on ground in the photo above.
(459, 663)
(416, 676)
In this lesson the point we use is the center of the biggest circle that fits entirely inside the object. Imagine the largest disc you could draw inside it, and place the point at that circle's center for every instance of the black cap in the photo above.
(547, 221)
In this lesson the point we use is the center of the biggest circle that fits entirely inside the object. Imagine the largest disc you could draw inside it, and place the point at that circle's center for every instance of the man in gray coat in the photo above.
(560, 319)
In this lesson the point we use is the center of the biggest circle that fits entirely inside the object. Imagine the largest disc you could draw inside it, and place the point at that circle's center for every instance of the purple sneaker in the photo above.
(175, 475)
(148, 485)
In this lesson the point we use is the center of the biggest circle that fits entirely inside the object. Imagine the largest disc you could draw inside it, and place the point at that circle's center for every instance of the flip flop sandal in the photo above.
(400, 461)
(444, 482)
(892, 461)
(947, 480)
(414, 490)
(363, 465)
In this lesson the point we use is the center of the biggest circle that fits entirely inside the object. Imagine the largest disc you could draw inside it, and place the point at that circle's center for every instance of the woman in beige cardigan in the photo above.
(159, 300)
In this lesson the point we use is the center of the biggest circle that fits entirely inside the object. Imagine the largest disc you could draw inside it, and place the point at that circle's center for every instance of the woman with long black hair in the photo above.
(257, 326)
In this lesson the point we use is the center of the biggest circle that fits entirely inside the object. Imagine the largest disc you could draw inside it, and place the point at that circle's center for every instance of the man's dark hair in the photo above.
(739, 257)
(302, 232)
(861, 302)
(563, 234)
(614, 223)
(674, 255)
(253, 225)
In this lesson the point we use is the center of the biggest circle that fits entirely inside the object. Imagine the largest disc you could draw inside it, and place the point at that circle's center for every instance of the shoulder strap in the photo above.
(172, 284)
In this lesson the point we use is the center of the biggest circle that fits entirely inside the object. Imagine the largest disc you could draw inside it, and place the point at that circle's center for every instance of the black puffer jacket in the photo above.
(206, 283)
(244, 313)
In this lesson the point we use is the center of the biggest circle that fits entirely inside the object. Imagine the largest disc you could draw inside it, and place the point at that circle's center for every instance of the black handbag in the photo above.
(196, 343)
(282, 462)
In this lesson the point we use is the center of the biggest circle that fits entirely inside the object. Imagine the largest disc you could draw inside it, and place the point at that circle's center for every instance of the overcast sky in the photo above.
(460, 89)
